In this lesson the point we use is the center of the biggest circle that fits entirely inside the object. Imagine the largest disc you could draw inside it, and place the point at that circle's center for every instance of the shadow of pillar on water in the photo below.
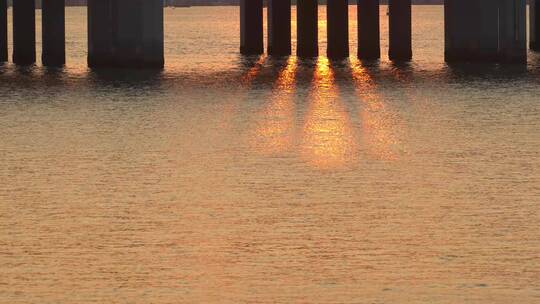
(379, 122)
(463, 72)
(55, 76)
(249, 68)
(126, 77)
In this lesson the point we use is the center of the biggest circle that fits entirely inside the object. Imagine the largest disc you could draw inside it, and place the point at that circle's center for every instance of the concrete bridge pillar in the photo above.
(513, 31)
(251, 27)
(307, 28)
(534, 23)
(485, 30)
(471, 30)
(53, 32)
(24, 32)
(369, 46)
(400, 30)
(3, 31)
(100, 32)
(125, 33)
(279, 27)
(338, 29)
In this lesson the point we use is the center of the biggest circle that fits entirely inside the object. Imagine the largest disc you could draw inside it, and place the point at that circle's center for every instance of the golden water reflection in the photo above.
(327, 136)
(328, 141)
(274, 133)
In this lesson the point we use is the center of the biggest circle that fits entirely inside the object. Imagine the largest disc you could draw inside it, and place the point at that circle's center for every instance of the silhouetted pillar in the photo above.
(307, 28)
(24, 32)
(534, 11)
(449, 25)
(125, 33)
(400, 30)
(127, 29)
(485, 30)
(99, 32)
(369, 46)
(471, 30)
(3, 31)
(513, 31)
(279, 27)
(251, 27)
(338, 29)
(53, 32)
(152, 36)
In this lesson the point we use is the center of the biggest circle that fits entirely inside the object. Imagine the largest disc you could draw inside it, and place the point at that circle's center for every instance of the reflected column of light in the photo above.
(275, 130)
(380, 125)
(328, 141)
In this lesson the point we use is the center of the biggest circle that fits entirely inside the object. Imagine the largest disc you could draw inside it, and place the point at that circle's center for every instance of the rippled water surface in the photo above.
(224, 179)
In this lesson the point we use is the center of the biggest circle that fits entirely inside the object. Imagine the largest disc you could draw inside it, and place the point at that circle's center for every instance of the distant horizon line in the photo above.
(187, 3)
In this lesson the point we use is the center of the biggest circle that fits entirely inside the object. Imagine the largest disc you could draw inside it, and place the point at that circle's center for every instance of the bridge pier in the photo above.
(279, 27)
(471, 30)
(251, 27)
(513, 31)
(125, 33)
(100, 32)
(400, 30)
(485, 30)
(3, 31)
(369, 46)
(338, 29)
(53, 32)
(307, 28)
(534, 11)
(24, 32)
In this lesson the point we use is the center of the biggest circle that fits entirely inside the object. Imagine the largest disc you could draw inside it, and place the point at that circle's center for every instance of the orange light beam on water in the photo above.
(328, 142)
(275, 131)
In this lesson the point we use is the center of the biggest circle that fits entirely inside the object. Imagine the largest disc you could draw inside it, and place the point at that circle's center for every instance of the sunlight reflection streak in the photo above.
(275, 131)
(328, 140)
